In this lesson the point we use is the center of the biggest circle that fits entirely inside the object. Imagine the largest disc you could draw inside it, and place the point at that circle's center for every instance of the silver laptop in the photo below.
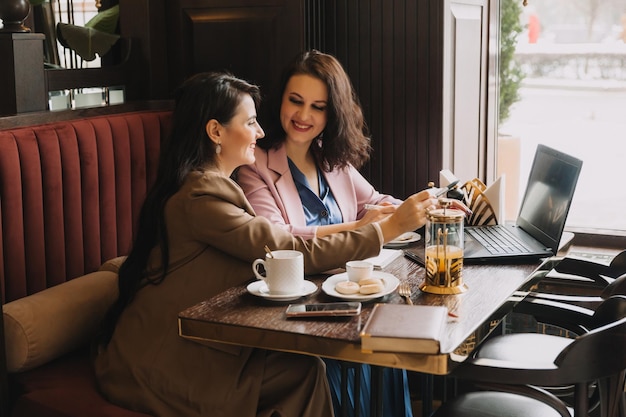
(538, 230)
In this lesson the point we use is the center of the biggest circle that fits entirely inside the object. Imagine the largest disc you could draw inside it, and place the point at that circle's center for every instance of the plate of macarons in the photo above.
(377, 285)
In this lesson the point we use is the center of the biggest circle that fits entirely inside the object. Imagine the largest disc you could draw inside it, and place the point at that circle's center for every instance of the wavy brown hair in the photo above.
(345, 139)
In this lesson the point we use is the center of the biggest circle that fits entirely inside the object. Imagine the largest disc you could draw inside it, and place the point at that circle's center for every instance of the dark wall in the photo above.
(391, 50)
(253, 39)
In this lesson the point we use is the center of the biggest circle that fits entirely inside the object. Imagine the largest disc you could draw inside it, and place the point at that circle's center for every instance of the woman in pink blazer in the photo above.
(305, 178)
(271, 189)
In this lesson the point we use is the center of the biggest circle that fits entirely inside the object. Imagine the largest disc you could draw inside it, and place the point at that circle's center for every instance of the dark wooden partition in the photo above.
(22, 83)
(392, 50)
(253, 39)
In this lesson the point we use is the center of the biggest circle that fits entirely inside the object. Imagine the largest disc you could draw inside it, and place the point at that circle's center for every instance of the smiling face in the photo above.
(303, 110)
(238, 137)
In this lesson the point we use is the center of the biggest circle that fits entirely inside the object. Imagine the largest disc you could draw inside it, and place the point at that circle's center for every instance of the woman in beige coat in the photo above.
(198, 236)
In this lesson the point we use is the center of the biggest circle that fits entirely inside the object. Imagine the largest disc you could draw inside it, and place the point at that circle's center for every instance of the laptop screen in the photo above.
(549, 194)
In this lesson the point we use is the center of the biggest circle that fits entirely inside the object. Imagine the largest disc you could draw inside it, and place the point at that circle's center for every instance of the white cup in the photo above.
(358, 270)
(284, 271)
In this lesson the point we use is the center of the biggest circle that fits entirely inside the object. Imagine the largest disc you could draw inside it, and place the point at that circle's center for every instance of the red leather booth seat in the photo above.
(70, 195)
(65, 387)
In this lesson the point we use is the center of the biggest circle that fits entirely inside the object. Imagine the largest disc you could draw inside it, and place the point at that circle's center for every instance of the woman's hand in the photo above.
(410, 215)
(377, 213)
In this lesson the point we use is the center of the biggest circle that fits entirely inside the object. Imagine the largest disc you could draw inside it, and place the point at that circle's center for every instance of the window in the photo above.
(74, 38)
(572, 97)
(75, 12)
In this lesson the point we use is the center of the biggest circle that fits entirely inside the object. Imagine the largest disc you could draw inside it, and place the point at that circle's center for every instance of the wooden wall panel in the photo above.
(386, 48)
(145, 23)
(245, 52)
(253, 39)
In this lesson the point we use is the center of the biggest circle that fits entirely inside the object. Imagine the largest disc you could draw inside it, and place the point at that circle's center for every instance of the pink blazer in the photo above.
(272, 192)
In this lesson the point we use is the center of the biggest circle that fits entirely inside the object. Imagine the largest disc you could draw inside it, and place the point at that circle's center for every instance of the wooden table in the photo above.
(237, 317)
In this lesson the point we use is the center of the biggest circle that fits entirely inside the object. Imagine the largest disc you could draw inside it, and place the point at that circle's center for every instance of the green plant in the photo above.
(511, 74)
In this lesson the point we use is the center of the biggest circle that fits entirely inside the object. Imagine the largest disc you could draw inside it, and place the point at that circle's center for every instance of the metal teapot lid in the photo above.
(445, 213)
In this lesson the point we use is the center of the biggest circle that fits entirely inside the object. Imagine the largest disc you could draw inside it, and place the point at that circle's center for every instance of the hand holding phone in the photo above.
(439, 192)
(324, 309)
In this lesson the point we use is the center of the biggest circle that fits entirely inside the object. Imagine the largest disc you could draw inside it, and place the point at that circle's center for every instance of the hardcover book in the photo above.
(404, 328)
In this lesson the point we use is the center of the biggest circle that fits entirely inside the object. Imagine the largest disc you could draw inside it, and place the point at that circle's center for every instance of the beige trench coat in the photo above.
(214, 236)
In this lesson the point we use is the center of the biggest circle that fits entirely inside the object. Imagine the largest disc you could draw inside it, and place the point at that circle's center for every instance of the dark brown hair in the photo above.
(203, 97)
(345, 139)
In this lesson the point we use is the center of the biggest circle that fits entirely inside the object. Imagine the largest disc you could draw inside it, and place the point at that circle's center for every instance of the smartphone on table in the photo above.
(349, 308)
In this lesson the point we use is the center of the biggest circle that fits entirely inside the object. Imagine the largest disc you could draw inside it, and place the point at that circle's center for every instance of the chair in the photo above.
(541, 360)
(583, 276)
(541, 306)
(534, 299)
(594, 270)
(504, 400)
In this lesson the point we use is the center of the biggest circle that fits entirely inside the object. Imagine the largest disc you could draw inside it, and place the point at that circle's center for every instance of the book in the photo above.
(404, 328)
(384, 258)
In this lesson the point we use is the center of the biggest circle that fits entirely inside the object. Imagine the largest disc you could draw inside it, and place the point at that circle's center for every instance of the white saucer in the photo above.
(259, 288)
(403, 240)
(390, 282)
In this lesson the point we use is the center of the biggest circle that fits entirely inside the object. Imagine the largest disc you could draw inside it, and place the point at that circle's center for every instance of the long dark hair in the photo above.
(346, 137)
(201, 98)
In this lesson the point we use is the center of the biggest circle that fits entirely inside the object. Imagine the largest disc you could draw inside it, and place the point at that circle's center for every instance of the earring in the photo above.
(218, 148)
(319, 140)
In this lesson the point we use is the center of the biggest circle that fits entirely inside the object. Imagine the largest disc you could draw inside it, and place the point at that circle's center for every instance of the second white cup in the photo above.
(284, 271)
(358, 270)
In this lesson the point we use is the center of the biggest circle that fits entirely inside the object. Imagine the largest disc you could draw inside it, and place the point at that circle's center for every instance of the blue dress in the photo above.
(323, 210)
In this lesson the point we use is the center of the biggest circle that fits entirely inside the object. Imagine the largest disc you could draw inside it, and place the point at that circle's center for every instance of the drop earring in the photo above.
(218, 148)
(319, 140)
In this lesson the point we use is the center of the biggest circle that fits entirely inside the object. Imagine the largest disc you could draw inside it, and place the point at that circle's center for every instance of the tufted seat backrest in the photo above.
(70, 195)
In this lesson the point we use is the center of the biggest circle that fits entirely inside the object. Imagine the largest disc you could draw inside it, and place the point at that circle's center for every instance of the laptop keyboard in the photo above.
(497, 240)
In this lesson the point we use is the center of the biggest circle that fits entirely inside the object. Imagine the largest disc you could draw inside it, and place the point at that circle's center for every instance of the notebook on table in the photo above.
(404, 328)
(538, 231)
(384, 258)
